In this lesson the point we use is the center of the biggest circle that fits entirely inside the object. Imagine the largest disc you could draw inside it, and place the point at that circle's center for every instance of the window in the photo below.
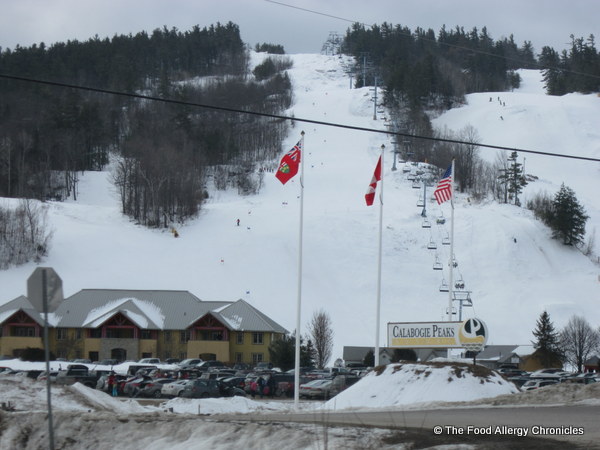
(146, 355)
(182, 356)
(257, 338)
(240, 339)
(239, 357)
(256, 358)
(61, 334)
(184, 336)
(167, 335)
(93, 356)
(78, 334)
(96, 333)
(23, 331)
(146, 334)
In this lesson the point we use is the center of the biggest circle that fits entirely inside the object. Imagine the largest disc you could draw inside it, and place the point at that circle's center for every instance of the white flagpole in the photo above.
(378, 308)
(451, 263)
(299, 298)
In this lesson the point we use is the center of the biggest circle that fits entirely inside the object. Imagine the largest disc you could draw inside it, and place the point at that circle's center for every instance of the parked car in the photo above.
(342, 382)
(172, 361)
(174, 388)
(133, 386)
(536, 384)
(508, 372)
(230, 388)
(582, 378)
(200, 388)
(149, 361)
(307, 388)
(44, 375)
(205, 366)
(263, 366)
(189, 363)
(239, 382)
(153, 388)
(108, 362)
(321, 390)
(549, 373)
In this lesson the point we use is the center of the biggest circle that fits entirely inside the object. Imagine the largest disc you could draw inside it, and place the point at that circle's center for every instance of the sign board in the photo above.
(44, 282)
(470, 334)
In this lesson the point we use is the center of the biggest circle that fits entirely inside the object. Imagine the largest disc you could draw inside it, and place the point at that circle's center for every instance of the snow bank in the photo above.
(410, 384)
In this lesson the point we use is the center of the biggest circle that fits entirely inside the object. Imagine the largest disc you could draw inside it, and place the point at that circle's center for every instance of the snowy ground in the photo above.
(88, 418)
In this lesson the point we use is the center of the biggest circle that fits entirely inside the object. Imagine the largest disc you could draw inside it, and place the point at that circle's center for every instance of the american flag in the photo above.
(443, 191)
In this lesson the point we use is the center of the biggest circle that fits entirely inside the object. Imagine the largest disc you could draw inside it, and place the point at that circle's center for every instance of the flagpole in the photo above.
(299, 297)
(378, 307)
(451, 263)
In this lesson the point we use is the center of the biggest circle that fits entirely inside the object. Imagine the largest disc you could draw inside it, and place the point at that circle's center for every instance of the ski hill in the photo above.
(505, 257)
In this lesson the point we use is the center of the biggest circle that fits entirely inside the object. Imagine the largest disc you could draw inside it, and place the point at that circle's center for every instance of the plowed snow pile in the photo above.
(411, 384)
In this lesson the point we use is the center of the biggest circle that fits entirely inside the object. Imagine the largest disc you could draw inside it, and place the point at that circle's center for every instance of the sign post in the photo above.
(44, 291)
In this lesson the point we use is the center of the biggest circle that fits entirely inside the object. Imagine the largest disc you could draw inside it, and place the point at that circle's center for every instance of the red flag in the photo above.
(443, 191)
(370, 195)
(288, 167)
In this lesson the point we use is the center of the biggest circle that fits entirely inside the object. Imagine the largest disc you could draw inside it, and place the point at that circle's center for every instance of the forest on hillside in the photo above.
(165, 153)
(423, 73)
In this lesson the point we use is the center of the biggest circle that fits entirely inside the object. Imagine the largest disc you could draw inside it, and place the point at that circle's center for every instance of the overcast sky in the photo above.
(543, 22)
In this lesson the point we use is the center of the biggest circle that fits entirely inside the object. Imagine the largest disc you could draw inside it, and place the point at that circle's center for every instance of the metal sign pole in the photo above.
(47, 355)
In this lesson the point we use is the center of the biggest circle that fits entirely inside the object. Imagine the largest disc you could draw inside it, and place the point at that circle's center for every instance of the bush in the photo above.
(23, 234)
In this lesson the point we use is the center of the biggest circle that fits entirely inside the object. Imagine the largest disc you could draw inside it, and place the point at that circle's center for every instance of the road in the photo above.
(467, 424)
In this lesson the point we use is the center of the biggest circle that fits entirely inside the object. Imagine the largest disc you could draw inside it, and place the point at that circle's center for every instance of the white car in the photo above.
(173, 389)
(149, 361)
(549, 373)
(536, 384)
(306, 389)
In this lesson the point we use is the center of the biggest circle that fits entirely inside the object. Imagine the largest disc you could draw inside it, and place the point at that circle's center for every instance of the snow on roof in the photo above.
(6, 314)
(147, 313)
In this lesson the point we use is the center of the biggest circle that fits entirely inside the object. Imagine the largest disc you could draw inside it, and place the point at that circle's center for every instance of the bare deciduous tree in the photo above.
(578, 341)
(321, 332)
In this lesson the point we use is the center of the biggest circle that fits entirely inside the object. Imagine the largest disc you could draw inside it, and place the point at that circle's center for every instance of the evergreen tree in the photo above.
(546, 345)
(568, 217)
(369, 360)
(513, 179)
(282, 353)
(516, 178)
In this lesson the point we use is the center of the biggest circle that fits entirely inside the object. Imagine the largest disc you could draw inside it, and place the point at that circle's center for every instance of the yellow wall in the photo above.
(10, 343)
(248, 348)
(219, 348)
(148, 346)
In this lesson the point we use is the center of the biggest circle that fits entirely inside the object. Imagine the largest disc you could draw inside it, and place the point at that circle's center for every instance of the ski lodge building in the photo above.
(125, 325)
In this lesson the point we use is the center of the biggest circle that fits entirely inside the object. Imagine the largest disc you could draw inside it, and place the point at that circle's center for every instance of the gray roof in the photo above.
(20, 303)
(148, 309)
(498, 353)
(242, 316)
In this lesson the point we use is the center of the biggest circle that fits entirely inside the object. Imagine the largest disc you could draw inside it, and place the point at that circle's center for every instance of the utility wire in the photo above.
(460, 47)
(282, 117)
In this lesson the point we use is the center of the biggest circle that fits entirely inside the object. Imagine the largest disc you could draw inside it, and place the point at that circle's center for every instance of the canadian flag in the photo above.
(370, 195)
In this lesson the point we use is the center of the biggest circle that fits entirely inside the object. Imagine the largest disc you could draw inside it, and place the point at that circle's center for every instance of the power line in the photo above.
(282, 117)
(459, 47)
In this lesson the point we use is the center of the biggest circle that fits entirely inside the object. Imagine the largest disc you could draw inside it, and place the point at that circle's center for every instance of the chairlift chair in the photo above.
(432, 245)
(446, 240)
(426, 224)
(440, 220)
(420, 202)
(437, 265)
(416, 184)
(459, 284)
(444, 286)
